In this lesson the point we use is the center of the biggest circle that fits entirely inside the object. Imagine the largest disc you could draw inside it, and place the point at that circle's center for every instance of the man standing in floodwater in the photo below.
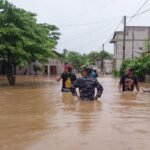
(67, 78)
(87, 85)
(128, 81)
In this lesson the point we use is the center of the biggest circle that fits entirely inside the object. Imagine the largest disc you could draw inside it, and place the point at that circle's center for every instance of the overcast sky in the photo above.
(85, 24)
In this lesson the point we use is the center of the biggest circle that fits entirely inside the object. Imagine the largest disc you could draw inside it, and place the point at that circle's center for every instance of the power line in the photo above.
(76, 38)
(97, 37)
(135, 14)
(118, 25)
(141, 13)
(138, 10)
(81, 36)
(89, 23)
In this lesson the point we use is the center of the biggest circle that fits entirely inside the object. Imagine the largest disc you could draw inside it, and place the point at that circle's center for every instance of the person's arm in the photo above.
(120, 84)
(136, 84)
(74, 77)
(99, 90)
(137, 87)
(73, 88)
(59, 77)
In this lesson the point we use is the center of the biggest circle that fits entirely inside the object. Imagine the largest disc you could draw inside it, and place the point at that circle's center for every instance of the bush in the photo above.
(140, 66)
(116, 73)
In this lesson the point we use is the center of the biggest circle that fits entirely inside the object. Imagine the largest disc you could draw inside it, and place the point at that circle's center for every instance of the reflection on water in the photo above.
(86, 112)
(35, 115)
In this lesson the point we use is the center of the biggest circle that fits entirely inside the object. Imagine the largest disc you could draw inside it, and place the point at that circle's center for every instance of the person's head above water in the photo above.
(67, 68)
(84, 71)
(128, 72)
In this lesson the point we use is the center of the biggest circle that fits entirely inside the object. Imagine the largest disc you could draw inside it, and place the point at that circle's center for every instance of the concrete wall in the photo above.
(135, 43)
(52, 62)
(108, 66)
(57, 63)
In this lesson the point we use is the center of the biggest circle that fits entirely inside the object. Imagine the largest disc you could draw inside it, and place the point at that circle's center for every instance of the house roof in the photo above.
(117, 32)
(113, 39)
(58, 54)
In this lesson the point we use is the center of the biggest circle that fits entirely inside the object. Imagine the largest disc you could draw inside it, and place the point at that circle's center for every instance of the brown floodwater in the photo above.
(35, 115)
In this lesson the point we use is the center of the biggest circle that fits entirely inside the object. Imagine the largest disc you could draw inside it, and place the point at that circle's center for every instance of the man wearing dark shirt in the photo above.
(128, 81)
(87, 85)
(67, 78)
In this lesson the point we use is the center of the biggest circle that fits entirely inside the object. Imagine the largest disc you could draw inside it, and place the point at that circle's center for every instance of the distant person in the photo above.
(25, 72)
(128, 81)
(87, 85)
(92, 73)
(67, 78)
(96, 74)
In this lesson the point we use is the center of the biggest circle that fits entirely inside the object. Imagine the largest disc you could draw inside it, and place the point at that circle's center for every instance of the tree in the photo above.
(22, 39)
(106, 55)
(94, 55)
(73, 58)
(86, 61)
(65, 55)
(140, 66)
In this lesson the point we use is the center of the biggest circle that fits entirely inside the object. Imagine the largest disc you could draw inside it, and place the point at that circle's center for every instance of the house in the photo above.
(136, 37)
(53, 67)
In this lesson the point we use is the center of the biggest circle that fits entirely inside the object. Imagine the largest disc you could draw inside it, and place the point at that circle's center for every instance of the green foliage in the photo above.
(74, 58)
(140, 66)
(36, 68)
(116, 73)
(78, 60)
(94, 55)
(22, 39)
(126, 63)
(86, 61)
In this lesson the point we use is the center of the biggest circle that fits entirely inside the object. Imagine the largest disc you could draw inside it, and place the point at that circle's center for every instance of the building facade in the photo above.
(53, 67)
(136, 38)
(107, 66)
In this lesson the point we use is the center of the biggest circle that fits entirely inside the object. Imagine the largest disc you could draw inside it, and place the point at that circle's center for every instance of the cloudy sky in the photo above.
(86, 24)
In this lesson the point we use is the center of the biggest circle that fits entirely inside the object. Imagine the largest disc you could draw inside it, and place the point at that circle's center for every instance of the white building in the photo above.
(136, 37)
(53, 67)
(107, 66)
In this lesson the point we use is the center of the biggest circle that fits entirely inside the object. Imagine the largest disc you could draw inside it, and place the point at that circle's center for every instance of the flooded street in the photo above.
(35, 115)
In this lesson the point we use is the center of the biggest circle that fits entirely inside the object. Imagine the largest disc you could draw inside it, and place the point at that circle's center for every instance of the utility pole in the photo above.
(102, 61)
(124, 37)
(133, 43)
(148, 40)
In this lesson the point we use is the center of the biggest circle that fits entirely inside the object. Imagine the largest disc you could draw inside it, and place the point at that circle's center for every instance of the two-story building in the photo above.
(135, 40)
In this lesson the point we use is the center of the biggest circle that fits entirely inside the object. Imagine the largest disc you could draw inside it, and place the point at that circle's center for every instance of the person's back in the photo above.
(67, 78)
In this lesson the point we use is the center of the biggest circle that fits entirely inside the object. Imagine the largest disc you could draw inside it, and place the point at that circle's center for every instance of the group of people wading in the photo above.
(88, 82)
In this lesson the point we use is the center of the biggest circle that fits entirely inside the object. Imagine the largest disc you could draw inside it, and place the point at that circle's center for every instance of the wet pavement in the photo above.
(35, 115)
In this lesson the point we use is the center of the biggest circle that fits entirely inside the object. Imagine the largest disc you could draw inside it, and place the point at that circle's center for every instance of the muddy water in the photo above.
(35, 115)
